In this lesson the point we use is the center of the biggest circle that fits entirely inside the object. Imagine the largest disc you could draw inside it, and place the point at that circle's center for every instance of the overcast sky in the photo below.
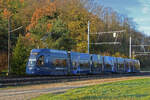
(139, 10)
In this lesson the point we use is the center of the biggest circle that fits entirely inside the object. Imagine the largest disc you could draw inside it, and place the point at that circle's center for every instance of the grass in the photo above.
(138, 89)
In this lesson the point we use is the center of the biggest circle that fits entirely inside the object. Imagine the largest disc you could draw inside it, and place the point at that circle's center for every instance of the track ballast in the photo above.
(31, 80)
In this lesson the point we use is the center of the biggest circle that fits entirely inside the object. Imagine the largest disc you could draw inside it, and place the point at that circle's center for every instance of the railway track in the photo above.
(31, 80)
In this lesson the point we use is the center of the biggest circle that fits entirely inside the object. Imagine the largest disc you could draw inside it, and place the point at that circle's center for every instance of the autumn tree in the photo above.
(62, 24)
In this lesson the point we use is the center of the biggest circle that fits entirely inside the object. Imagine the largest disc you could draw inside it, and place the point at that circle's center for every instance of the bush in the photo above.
(19, 57)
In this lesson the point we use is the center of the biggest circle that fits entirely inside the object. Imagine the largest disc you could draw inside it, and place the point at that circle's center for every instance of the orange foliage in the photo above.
(6, 13)
(27, 35)
(49, 26)
(22, 1)
(48, 10)
(1, 1)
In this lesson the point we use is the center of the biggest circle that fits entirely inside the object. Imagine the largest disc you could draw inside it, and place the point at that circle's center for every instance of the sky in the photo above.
(138, 10)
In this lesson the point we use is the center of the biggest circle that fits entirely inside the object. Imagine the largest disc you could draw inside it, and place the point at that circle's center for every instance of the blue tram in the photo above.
(96, 63)
(60, 62)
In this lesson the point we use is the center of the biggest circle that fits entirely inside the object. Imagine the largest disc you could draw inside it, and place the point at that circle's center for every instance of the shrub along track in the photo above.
(30, 91)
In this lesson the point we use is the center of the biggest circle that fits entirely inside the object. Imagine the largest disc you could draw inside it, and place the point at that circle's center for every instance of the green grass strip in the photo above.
(138, 89)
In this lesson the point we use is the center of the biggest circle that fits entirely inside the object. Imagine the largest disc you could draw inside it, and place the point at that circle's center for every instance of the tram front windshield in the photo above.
(32, 60)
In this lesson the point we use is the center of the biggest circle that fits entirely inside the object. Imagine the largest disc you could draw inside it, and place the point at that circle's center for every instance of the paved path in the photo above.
(4, 93)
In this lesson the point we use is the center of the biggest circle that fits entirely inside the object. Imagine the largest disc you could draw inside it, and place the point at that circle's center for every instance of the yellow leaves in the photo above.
(74, 25)
(79, 34)
(106, 54)
(118, 54)
(81, 47)
(77, 19)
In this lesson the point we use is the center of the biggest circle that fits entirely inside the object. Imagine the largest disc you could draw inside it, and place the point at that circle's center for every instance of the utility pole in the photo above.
(130, 47)
(88, 37)
(9, 42)
(9, 32)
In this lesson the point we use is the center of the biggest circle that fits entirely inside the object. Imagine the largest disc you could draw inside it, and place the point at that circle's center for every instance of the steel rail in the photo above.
(56, 79)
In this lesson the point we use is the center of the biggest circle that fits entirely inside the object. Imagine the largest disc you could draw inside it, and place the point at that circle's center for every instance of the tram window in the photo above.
(108, 67)
(95, 64)
(40, 61)
(74, 64)
(59, 63)
(137, 66)
(64, 62)
(127, 65)
(56, 62)
(99, 64)
(84, 63)
(121, 66)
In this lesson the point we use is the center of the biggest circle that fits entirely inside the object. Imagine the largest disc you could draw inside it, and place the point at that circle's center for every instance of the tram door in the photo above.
(96, 65)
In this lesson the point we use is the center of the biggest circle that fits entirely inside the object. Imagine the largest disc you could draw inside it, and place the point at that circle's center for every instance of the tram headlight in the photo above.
(30, 68)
